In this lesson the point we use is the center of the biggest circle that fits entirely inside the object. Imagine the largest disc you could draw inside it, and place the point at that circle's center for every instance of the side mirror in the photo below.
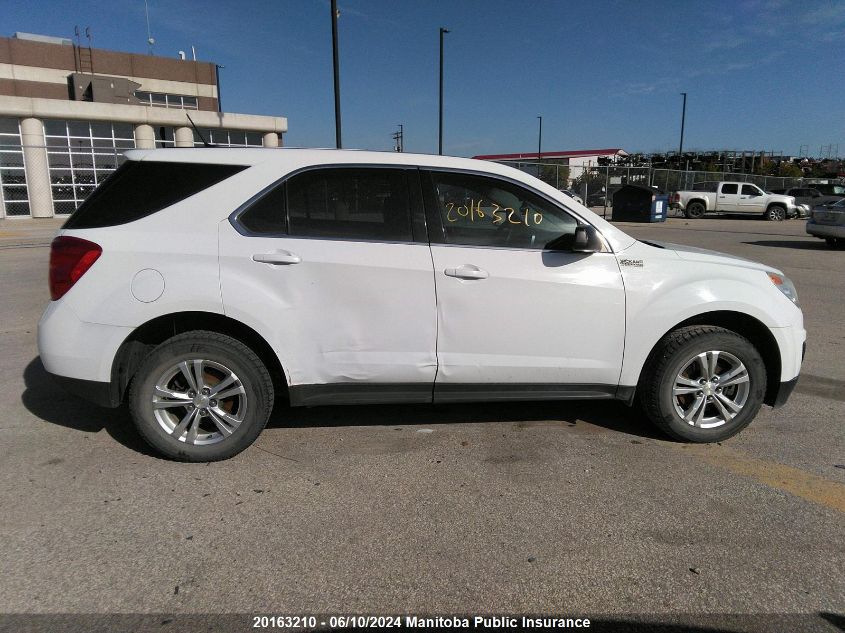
(587, 239)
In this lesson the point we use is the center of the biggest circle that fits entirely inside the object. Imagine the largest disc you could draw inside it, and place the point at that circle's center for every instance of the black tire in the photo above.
(219, 349)
(695, 210)
(776, 213)
(834, 242)
(669, 358)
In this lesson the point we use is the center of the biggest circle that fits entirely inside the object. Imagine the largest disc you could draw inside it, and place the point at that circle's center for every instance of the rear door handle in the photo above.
(278, 257)
(467, 271)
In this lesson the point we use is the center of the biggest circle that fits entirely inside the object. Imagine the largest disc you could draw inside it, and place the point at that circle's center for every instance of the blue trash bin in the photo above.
(659, 208)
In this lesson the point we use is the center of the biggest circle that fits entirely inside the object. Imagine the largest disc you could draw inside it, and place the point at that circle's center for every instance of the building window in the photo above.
(80, 155)
(164, 137)
(14, 198)
(230, 138)
(161, 100)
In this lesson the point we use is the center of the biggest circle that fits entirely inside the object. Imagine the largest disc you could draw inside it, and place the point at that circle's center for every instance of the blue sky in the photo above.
(759, 74)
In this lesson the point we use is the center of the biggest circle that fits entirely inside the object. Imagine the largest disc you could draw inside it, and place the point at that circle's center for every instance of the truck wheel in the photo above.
(694, 210)
(775, 213)
(703, 384)
(201, 397)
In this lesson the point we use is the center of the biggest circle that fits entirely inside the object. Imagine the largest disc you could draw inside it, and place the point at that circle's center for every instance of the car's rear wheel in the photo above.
(201, 396)
(703, 384)
(694, 210)
(775, 213)
(834, 242)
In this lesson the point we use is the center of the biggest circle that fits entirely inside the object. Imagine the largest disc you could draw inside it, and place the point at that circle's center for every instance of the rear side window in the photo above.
(731, 188)
(140, 188)
(349, 203)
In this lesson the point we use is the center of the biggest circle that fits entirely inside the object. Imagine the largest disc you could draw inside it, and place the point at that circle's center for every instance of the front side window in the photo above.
(750, 190)
(730, 188)
(350, 203)
(483, 211)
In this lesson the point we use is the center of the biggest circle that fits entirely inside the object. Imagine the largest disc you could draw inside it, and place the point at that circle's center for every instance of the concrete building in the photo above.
(68, 112)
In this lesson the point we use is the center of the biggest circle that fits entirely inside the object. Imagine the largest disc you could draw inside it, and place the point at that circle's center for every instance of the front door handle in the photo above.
(278, 257)
(467, 271)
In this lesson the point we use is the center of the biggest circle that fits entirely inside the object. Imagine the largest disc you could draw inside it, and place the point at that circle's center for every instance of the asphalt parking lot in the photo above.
(574, 508)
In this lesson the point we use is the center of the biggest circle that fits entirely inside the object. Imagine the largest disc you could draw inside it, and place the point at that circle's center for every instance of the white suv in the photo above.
(202, 284)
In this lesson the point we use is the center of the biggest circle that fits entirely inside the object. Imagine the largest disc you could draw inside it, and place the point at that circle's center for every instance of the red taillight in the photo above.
(70, 258)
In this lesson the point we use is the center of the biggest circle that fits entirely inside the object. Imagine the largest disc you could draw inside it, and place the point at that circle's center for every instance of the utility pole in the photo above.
(539, 145)
(443, 31)
(683, 120)
(399, 140)
(338, 141)
(540, 139)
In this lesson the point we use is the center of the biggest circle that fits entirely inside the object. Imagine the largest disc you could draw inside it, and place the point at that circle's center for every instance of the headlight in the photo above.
(786, 287)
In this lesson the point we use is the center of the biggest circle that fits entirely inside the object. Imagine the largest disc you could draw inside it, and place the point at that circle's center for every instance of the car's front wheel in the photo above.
(703, 384)
(775, 213)
(200, 397)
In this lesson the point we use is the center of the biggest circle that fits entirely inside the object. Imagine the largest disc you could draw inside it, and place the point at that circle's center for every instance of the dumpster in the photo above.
(638, 203)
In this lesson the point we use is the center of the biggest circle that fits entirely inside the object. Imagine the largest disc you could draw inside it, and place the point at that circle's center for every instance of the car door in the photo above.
(333, 268)
(751, 200)
(518, 317)
(727, 199)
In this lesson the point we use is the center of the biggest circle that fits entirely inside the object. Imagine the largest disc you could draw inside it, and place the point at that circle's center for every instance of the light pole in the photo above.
(338, 141)
(217, 78)
(539, 144)
(443, 31)
(683, 118)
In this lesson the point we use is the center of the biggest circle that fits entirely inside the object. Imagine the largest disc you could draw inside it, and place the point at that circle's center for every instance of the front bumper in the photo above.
(825, 230)
(785, 390)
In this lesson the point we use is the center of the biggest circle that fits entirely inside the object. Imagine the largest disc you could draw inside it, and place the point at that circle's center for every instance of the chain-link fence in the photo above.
(596, 184)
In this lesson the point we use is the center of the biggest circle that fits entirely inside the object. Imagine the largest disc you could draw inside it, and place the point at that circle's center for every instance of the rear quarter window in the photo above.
(140, 188)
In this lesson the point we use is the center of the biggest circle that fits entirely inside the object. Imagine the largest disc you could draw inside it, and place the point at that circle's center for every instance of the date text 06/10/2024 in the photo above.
(417, 622)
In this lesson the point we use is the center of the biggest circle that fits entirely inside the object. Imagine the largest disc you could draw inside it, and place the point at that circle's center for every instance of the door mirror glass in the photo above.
(586, 240)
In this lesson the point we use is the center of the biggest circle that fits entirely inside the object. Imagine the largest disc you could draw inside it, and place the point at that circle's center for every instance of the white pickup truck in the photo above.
(732, 197)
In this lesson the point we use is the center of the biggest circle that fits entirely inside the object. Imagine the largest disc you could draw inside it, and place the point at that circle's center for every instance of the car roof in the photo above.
(284, 156)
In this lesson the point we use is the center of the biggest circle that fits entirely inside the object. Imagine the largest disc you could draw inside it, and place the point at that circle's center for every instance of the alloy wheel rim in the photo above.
(711, 389)
(199, 401)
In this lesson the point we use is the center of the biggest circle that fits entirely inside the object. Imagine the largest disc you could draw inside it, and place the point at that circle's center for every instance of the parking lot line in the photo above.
(773, 474)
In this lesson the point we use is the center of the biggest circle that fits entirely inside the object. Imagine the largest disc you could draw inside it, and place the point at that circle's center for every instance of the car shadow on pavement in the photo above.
(45, 399)
(607, 414)
(810, 245)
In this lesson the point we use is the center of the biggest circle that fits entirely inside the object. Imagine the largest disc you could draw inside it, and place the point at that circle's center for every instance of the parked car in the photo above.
(828, 222)
(199, 286)
(830, 189)
(732, 197)
(808, 196)
(572, 195)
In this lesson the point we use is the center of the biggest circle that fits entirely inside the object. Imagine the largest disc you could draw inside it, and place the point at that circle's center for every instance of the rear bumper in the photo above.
(77, 349)
(100, 393)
